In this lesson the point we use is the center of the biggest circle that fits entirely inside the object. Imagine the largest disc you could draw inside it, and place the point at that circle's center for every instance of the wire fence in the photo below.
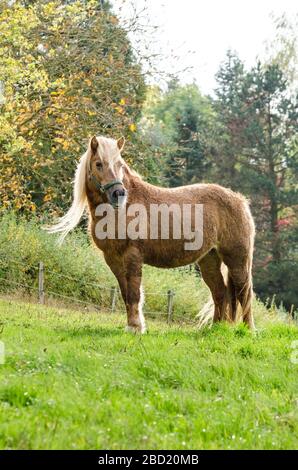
(45, 293)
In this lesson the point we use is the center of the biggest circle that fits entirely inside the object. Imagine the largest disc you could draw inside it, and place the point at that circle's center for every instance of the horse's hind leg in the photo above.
(212, 275)
(240, 275)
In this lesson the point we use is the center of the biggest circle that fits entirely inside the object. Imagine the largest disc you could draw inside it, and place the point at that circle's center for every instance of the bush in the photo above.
(278, 280)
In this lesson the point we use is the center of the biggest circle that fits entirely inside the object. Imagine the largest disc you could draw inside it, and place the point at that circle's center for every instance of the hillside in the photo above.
(73, 380)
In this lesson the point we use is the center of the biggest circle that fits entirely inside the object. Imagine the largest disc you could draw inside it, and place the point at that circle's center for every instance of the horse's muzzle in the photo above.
(117, 195)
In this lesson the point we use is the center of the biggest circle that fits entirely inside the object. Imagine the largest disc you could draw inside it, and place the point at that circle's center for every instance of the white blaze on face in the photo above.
(110, 154)
(109, 151)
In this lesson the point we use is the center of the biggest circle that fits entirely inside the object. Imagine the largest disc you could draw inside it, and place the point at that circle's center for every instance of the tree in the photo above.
(230, 95)
(179, 119)
(258, 155)
(283, 49)
(68, 71)
(272, 151)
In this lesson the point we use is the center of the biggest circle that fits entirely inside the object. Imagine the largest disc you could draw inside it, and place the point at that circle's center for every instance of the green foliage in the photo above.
(246, 139)
(73, 381)
(256, 153)
(67, 72)
(278, 281)
(178, 122)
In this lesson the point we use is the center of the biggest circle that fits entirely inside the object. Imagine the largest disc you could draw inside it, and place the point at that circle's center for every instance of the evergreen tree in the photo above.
(256, 150)
(184, 113)
(230, 96)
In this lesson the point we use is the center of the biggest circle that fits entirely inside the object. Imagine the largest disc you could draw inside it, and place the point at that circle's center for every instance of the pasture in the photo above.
(196, 150)
(77, 381)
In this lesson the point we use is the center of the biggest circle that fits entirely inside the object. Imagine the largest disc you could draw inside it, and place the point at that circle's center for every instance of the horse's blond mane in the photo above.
(132, 173)
(73, 216)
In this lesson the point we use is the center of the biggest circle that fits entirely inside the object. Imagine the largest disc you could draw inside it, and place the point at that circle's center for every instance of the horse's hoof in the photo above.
(136, 330)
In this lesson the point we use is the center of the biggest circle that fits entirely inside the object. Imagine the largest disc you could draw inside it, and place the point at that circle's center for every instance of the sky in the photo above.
(207, 28)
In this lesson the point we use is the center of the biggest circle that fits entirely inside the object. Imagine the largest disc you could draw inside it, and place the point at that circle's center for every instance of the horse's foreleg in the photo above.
(128, 271)
(132, 294)
(135, 317)
(134, 297)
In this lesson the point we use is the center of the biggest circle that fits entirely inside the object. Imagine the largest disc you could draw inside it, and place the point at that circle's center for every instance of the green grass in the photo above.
(75, 381)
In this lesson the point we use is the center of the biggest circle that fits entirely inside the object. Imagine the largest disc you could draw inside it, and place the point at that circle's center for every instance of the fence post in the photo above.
(41, 283)
(114, 293)
(170, 305)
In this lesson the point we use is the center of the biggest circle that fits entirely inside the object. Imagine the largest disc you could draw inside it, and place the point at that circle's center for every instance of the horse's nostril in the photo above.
(118, 193)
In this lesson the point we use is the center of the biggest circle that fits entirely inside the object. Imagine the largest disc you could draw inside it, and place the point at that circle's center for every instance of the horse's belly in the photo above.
(171, 256)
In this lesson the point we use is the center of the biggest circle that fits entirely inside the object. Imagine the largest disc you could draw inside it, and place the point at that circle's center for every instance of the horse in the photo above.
(224, 255)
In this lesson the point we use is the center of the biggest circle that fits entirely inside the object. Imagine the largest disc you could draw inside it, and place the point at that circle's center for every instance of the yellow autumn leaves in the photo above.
(58, 92)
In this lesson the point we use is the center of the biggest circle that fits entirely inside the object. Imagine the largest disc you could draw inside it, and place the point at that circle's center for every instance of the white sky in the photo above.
(209, 28)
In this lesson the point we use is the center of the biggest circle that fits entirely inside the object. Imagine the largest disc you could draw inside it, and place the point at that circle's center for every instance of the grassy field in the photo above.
(75, 381)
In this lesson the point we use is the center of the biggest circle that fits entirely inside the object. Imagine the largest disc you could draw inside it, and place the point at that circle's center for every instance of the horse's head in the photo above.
(106, 169)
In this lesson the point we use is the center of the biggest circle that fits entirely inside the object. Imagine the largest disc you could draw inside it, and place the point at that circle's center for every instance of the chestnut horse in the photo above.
(224, 255)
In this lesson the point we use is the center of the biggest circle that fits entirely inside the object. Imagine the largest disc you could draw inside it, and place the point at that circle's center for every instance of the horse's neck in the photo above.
(132, 181)
(139, 191)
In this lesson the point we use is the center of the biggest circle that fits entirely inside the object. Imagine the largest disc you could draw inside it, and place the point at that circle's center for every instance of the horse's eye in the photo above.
(99, 165)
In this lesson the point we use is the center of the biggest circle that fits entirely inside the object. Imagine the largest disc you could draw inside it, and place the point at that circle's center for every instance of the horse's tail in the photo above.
(205, 315)
(230, 305)
(71, 219)
(246, 294)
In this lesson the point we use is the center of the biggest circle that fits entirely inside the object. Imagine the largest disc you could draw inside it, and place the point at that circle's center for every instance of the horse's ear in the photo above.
(120, 143)
(94, 144)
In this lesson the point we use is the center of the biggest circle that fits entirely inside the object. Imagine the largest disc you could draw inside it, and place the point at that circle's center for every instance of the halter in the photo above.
(102, 188)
